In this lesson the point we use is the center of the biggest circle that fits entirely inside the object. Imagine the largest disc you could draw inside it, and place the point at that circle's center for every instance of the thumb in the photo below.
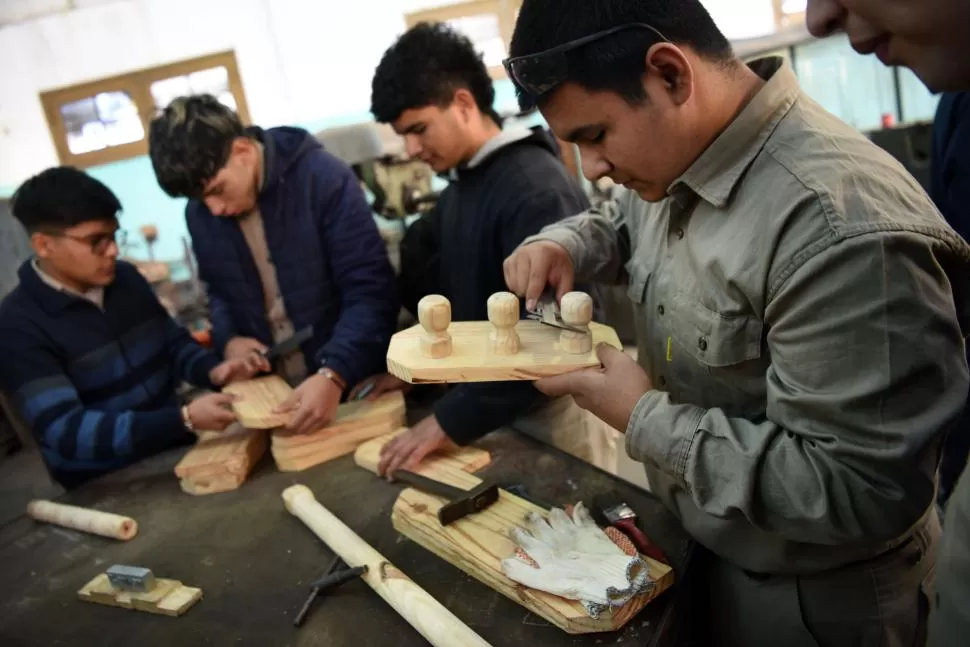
(559, 385)
(608, 355)
(288, 404)
(225, 398)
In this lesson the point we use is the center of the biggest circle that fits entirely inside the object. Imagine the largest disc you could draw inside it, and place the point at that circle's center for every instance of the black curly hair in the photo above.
(425, 67)
(190, 141)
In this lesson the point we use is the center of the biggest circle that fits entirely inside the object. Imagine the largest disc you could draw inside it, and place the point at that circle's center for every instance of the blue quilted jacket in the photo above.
(331, 263)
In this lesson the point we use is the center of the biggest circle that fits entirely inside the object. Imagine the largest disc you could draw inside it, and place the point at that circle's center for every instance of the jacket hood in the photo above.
(511, 138)
(283, 147)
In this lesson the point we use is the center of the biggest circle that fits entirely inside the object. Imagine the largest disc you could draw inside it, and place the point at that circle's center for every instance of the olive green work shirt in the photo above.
(800, 308)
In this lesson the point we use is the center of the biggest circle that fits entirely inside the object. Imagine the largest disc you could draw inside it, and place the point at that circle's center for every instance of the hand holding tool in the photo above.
(547, 312)
(461, 502)
(610, 510)
(287, 346)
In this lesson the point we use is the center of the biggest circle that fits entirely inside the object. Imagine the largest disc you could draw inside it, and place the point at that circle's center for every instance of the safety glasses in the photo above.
(540, 72)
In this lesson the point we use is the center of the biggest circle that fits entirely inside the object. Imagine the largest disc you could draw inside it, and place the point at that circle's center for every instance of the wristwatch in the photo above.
(331, 375)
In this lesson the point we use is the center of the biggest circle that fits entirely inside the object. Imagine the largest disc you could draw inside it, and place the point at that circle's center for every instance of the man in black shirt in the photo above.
(505, 185)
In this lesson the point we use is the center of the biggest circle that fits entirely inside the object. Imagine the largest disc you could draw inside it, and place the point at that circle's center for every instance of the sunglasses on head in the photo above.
(541, 72)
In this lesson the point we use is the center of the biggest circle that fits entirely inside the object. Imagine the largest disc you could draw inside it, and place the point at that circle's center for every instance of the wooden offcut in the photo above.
(221, 461)
(539, 354)
(258, 400)
(355, 423)
(438, 464)
(167, 597)
(479, 542)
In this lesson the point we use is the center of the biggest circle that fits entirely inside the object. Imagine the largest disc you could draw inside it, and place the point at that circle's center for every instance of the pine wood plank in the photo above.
(477, 543)
(168, 597)
(298, 459)
(388, 409)
(220, 462)
(259, 397)
(445, 467)
(539, 355)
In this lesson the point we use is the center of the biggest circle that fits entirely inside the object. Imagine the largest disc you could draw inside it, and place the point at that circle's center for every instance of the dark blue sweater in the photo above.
(331, 264)
(97, 387)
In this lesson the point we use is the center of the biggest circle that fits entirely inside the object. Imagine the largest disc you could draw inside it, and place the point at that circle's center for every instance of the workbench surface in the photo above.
(254, 561)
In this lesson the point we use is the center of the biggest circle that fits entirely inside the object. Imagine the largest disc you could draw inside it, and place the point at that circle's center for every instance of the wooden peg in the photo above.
(503, 312)
(576, 310)
(434, 313)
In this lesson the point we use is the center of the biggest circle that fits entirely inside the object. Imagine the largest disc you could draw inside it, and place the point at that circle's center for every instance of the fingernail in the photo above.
(530, 304)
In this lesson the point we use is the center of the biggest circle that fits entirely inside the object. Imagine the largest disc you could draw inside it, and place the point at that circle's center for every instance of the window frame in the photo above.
(137, 85)
(506, 10)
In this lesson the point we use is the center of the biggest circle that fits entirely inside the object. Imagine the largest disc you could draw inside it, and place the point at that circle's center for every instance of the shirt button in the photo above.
(702, 344)
(660, 310)
(679, 233)
(662, 381)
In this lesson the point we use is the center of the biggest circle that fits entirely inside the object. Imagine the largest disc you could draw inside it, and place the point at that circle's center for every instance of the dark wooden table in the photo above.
(254, 561)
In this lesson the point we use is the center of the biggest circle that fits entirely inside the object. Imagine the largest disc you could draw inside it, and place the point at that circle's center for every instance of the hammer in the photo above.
(461, 503)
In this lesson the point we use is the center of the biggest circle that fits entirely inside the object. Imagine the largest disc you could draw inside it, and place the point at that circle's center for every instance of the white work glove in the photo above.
(574, 559)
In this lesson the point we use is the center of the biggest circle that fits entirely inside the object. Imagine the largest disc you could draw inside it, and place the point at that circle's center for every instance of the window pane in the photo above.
(104, 120)
(214, 81)
(484, 32)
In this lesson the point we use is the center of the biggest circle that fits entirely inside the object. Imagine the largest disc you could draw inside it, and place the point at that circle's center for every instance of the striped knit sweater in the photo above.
(97, 387)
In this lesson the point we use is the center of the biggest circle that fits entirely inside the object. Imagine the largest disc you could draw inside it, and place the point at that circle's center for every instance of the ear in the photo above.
(465, 102)
(670, 68)
(41, 244)
(243, 146)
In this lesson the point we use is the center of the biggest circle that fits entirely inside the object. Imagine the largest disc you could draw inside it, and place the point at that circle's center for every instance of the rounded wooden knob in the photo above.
(434, 313)
(576, 309)
(503, 309)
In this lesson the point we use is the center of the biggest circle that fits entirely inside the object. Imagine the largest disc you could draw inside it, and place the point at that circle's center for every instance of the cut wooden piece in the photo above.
(95, 522)
(476, 544)
(168, 597)
(434, 315)
(503, 314)
(220, 462)
(389, 407)
(439, 466)
(429, 617)
(540, 354)
(355, 423)
(259, 398)
(576, 310)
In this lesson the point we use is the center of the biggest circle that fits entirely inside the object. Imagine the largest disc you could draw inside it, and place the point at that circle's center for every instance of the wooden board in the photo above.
(470, 361)
(465, 459)
(259, 397)
(168, 598)
(478, 543)
(355, 423)
(221, 461)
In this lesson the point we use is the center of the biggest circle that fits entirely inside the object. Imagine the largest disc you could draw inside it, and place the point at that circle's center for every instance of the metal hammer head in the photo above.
(474, 500)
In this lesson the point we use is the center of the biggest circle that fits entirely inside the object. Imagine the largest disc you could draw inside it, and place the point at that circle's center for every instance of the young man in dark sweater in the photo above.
(505, 185)
(90, 356)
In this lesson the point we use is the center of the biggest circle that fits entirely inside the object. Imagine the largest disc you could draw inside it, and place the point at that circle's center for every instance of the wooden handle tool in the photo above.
(96, 522)
(429, 617)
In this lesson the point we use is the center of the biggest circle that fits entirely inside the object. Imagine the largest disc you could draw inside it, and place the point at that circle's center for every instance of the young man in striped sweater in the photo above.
(89, 355)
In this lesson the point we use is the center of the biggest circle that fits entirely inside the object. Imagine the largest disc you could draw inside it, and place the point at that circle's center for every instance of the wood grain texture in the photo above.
(478, 543)
(355, 423)
(445, 467)
(258, 398)
(429, 617)
(221, 461)
(96, 522)
(540, 354)
(167, 598)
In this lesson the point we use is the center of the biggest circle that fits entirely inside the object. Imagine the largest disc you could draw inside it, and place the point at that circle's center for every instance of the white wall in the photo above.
(297, 62)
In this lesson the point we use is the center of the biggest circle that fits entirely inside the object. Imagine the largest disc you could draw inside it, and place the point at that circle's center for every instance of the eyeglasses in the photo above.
(99, 243)
(540, 72)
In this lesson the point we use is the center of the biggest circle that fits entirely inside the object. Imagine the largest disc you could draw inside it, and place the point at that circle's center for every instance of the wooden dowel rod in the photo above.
(429, 617)
(96, 522)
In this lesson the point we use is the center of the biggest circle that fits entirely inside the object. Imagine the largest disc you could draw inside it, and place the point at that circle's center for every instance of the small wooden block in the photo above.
(444, 467)
(220, 462)
(389, 407)
(540, 354)
(168, 597)
(259, 397)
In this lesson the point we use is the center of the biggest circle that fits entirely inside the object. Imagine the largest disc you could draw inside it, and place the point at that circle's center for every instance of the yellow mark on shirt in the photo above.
(670, 350)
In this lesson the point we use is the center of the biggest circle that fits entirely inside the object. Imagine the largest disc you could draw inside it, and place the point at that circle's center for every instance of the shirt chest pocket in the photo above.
(716, 359)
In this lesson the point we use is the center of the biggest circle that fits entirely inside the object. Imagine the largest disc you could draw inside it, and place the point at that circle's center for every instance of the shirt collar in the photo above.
(94, 295)
(718, 170)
